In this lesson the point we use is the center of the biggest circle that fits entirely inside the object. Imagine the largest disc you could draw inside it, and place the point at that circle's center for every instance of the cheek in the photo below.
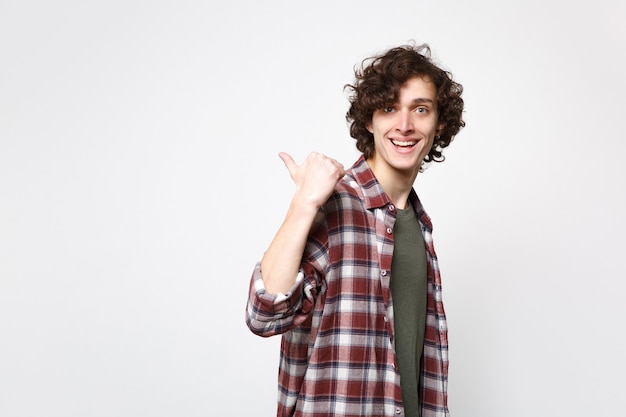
(429, 144)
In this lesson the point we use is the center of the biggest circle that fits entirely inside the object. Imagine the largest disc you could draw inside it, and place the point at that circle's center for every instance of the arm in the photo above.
(315, 180)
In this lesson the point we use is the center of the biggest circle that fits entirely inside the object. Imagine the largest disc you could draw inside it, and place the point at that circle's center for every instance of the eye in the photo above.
(421, 110)
(388, 109)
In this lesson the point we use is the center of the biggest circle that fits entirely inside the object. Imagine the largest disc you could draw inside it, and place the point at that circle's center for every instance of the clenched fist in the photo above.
(315, 178)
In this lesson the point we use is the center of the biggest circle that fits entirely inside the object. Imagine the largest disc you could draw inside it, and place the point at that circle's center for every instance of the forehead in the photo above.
(417, 87)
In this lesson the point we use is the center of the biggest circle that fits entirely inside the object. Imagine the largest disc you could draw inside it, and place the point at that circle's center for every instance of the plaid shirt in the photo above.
(337, 351)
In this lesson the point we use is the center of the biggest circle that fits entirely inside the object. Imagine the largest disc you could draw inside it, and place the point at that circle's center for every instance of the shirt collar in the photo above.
(374, 196)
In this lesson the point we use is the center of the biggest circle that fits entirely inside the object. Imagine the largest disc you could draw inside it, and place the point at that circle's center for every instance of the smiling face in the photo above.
(404, 131)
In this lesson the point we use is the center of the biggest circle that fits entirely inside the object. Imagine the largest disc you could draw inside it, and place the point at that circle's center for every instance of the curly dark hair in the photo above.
(377, 85)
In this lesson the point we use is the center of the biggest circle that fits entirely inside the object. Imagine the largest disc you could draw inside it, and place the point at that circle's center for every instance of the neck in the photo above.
(396, 184)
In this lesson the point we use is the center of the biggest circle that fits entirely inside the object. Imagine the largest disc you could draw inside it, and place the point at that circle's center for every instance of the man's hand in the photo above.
(315, 181)
(315, 178)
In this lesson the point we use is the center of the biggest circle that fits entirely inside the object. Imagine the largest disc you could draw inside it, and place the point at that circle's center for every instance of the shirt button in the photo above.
(386, 319)
(389, 230)
(392, 207)
(383, 273)
(398, 411)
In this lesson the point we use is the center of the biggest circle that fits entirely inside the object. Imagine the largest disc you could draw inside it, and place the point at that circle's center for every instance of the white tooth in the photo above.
(398, 143)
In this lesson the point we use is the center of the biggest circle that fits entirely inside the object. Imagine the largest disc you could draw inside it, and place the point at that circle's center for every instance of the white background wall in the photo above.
(139, 183)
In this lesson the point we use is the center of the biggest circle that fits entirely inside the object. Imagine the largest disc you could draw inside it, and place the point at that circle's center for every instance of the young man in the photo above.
(351, 279)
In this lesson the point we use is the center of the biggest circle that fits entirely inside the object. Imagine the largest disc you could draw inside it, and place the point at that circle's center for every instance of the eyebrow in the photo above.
(422, 100)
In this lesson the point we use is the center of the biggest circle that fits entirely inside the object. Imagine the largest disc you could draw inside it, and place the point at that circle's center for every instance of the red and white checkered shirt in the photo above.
(337, 355)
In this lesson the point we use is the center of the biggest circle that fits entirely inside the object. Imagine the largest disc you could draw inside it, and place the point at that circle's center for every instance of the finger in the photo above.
(340, 168)
(291, 165)
(341, 171)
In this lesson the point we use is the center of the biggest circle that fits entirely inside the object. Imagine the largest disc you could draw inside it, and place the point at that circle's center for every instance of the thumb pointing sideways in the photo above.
(289, 163)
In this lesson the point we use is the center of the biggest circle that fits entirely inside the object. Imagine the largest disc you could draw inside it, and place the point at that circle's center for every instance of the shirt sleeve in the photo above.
(268, 314)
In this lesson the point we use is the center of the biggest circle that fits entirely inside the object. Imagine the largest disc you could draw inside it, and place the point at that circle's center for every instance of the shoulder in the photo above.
(347, 194)
(350, 192)
(345, 207)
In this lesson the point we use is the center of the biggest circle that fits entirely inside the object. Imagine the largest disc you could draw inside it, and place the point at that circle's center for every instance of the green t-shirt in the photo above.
(408, 292)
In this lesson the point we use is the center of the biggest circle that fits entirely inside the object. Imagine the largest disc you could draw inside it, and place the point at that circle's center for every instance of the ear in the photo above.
(369, 127)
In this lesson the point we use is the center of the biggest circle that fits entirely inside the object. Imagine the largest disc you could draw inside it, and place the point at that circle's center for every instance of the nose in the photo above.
(405, 122)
